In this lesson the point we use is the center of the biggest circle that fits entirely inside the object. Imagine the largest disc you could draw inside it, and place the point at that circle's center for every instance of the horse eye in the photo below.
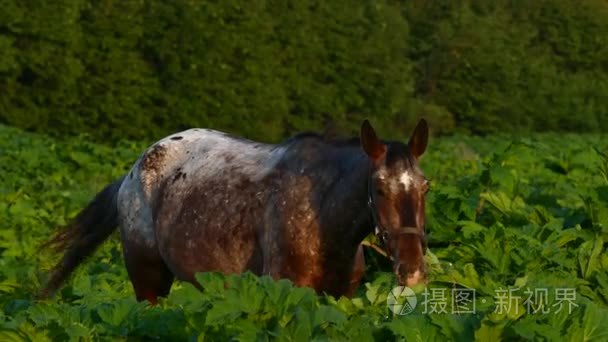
(380, 192)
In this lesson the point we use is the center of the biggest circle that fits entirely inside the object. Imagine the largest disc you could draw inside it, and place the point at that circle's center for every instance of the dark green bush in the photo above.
(265, 69)
(512, 65)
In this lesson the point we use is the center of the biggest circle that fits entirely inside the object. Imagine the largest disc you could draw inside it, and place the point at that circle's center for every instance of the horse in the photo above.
(202, 200)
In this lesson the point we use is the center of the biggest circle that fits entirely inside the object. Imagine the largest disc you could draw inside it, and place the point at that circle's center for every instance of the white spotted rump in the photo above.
(201, 154)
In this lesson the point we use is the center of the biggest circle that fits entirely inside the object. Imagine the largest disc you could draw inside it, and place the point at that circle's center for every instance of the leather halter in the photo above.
(381, 232)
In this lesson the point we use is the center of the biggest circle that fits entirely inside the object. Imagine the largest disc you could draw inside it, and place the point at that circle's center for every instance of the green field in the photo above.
(522, 214)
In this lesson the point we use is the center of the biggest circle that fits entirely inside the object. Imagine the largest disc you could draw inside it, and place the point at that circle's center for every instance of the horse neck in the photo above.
(346, 211)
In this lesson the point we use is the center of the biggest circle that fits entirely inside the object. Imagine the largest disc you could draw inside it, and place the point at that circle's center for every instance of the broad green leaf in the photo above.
(76, 331)
(595, 323)
(489, 331)
(470, 228)
(116, 312)
(414, 328)
(301, 328)
(327, 314)
(589, 257)
(213, 283)
(529, 328)
(223, 312)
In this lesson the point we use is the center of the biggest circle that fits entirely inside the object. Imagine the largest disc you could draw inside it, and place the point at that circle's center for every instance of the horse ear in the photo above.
(372, 146)
(419, 138)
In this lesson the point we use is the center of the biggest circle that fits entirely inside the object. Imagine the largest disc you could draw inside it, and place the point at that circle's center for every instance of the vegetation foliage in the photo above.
(504, 212)
(267, 68)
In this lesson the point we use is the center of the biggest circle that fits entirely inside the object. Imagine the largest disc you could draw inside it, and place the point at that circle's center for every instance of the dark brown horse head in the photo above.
(397, 189)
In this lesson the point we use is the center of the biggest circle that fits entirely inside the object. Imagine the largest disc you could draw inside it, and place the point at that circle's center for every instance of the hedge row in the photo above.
(141, 69)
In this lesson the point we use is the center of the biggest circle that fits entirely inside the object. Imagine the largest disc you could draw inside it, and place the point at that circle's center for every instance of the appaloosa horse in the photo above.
(202, 200)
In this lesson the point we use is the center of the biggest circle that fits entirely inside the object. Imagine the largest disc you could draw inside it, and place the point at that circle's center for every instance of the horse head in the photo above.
(396, 198)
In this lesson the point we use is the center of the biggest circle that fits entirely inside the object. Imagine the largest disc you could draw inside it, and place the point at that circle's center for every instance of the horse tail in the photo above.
(81, 237)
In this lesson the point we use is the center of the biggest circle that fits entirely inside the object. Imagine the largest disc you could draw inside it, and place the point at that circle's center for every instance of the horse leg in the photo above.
(358, 272)
(150, 276)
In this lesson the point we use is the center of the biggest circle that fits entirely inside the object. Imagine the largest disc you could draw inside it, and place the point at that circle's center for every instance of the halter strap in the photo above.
(409, 230)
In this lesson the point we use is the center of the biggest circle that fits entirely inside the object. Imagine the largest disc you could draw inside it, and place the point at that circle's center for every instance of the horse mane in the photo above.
(397, 150)
(325, 137)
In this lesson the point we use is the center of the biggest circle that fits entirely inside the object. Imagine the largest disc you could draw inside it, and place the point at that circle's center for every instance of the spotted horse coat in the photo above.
(202, 200)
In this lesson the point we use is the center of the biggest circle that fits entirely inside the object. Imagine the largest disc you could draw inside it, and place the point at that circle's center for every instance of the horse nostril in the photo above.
(415, 278)
(411, 278)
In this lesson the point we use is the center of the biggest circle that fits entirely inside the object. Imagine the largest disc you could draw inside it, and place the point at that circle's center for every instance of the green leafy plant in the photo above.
(501, 217)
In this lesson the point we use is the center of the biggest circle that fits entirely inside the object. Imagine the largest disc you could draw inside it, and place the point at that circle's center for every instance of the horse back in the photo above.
(197, 196)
